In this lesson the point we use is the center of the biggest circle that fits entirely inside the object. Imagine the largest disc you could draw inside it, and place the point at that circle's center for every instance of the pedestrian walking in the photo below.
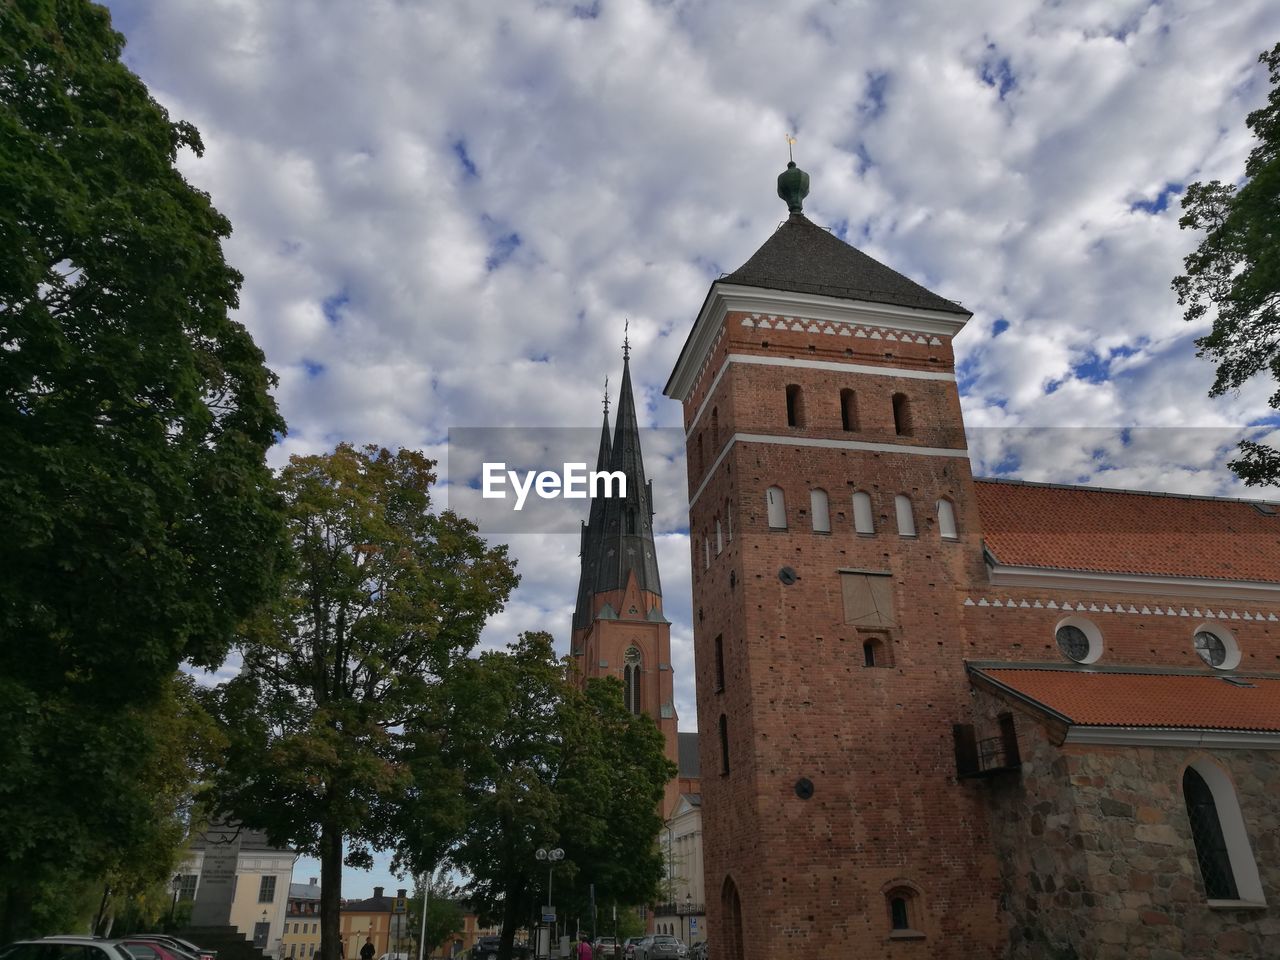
(584, 950)
(368, 950)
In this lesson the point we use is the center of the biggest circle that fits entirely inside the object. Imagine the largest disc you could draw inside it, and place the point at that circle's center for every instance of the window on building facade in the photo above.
(947, 520)
(863, 520)
(848, 410)
(1078, 639)
(715, 429)
(901, 415)
(267, 889)
(776, 506)
(898, 913)
(906, 518)
(187, 891)
(631, 679)
(1206, 831)
(869, 653)
(719, 663)
(728, 523)
(719, 537)
(724, 744)
(821, 513)
(795, 406)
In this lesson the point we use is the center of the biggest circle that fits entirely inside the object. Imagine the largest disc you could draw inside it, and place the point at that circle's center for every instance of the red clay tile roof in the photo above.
(1111, 531)
(1147, 700)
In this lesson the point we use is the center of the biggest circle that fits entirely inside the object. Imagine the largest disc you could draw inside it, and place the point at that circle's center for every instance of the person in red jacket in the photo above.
(584, 950)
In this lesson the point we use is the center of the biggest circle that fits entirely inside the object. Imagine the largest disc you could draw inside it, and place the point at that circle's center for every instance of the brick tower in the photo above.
(618, 625)
(834, 527)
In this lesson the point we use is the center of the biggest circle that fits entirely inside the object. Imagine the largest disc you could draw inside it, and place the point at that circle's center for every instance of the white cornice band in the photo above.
(1045, 578)
(726, 298)
(1174, 737)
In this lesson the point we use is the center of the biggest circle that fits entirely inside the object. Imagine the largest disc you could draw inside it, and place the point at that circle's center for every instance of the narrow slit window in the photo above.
(906, 519)
(901, 415)
(795, 405)
(720, 663)
(848, 410)
(820, 511)
(947, 520)
(863, 519)
(715, 429)
(724, 744)
(719, 537)
(777, 508)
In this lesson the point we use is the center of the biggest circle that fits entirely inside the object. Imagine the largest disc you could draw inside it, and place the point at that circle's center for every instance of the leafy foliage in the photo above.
(1235, 272)
(383, 598)
(140, 522)
(545, 763)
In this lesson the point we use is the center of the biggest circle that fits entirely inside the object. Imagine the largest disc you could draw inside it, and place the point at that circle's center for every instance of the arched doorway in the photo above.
(731, 922)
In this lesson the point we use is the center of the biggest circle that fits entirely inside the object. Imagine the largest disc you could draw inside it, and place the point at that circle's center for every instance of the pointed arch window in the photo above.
(719, 537)
(863, 519)
(906, 519)
(1225, 857)
(776, 504)
(848, 410)
(821, 513)
(631, 666)
(901, 415)
(947, 520)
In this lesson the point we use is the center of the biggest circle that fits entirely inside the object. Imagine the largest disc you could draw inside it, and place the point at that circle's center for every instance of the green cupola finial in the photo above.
(793, 183)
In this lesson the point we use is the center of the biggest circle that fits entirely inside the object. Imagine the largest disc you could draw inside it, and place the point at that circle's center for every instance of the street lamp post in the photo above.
(176, 884)
(550, 858)
(688, 907)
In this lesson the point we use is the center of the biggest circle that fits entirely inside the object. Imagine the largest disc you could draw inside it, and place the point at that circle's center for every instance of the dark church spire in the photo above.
(627, 535)
(589, 550)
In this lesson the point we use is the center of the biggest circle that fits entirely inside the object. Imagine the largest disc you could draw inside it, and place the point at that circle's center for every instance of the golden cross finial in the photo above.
(626, 338)
(606, 396)
(790, 140)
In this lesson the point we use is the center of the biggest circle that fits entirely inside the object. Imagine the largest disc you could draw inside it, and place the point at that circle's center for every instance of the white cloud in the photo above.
(444, 211)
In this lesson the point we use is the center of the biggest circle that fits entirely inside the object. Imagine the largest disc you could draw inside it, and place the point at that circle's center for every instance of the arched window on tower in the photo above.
(820, 512)
(901, 415)
(715, 429)
(863, 519)
(848, 410)
(1226, 859)
(719, 537)
(631, 679)
(947, 520)
(777, 508)
(724, 744)
(720, 663)
(906, 519)
(795, 405)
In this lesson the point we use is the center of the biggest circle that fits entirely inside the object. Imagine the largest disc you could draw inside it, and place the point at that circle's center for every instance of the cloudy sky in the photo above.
(445, 210)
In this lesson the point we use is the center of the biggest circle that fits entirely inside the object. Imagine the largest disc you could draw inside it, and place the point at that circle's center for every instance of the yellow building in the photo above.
(372, 920)
(301, 938)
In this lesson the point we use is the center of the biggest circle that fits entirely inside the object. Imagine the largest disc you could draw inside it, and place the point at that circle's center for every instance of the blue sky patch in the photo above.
(997, 73)
(332, 306)
(1161, 200)
(872, 104)
(586, 11)
(502, 250)
(468, 166)
(999, 327)
(313, 368)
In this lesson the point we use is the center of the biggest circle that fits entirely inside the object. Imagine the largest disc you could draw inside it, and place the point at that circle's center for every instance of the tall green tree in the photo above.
(384, 597)
(545, 764)
(140, 522)
(1235, 272)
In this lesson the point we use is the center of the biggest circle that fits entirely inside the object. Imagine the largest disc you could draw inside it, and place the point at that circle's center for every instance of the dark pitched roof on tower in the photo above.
(627, 533)
(802, 257)
(590, 550)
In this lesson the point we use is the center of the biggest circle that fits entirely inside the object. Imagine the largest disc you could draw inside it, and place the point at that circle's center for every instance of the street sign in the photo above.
(401, 905)
(693, 924)
(548, 914)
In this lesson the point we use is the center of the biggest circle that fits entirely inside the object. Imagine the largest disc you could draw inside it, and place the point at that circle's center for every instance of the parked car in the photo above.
(176, 943)
(486, 948)
(154, 950)
(629, 947)
(661, 946)
(603, 947)
(65, 948)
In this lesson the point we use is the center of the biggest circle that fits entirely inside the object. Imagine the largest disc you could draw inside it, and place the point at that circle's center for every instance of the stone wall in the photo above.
(1098, 858)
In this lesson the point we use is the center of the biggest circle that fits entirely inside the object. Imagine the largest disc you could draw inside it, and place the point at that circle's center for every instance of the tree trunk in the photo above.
(510, 921)
(330, 893)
